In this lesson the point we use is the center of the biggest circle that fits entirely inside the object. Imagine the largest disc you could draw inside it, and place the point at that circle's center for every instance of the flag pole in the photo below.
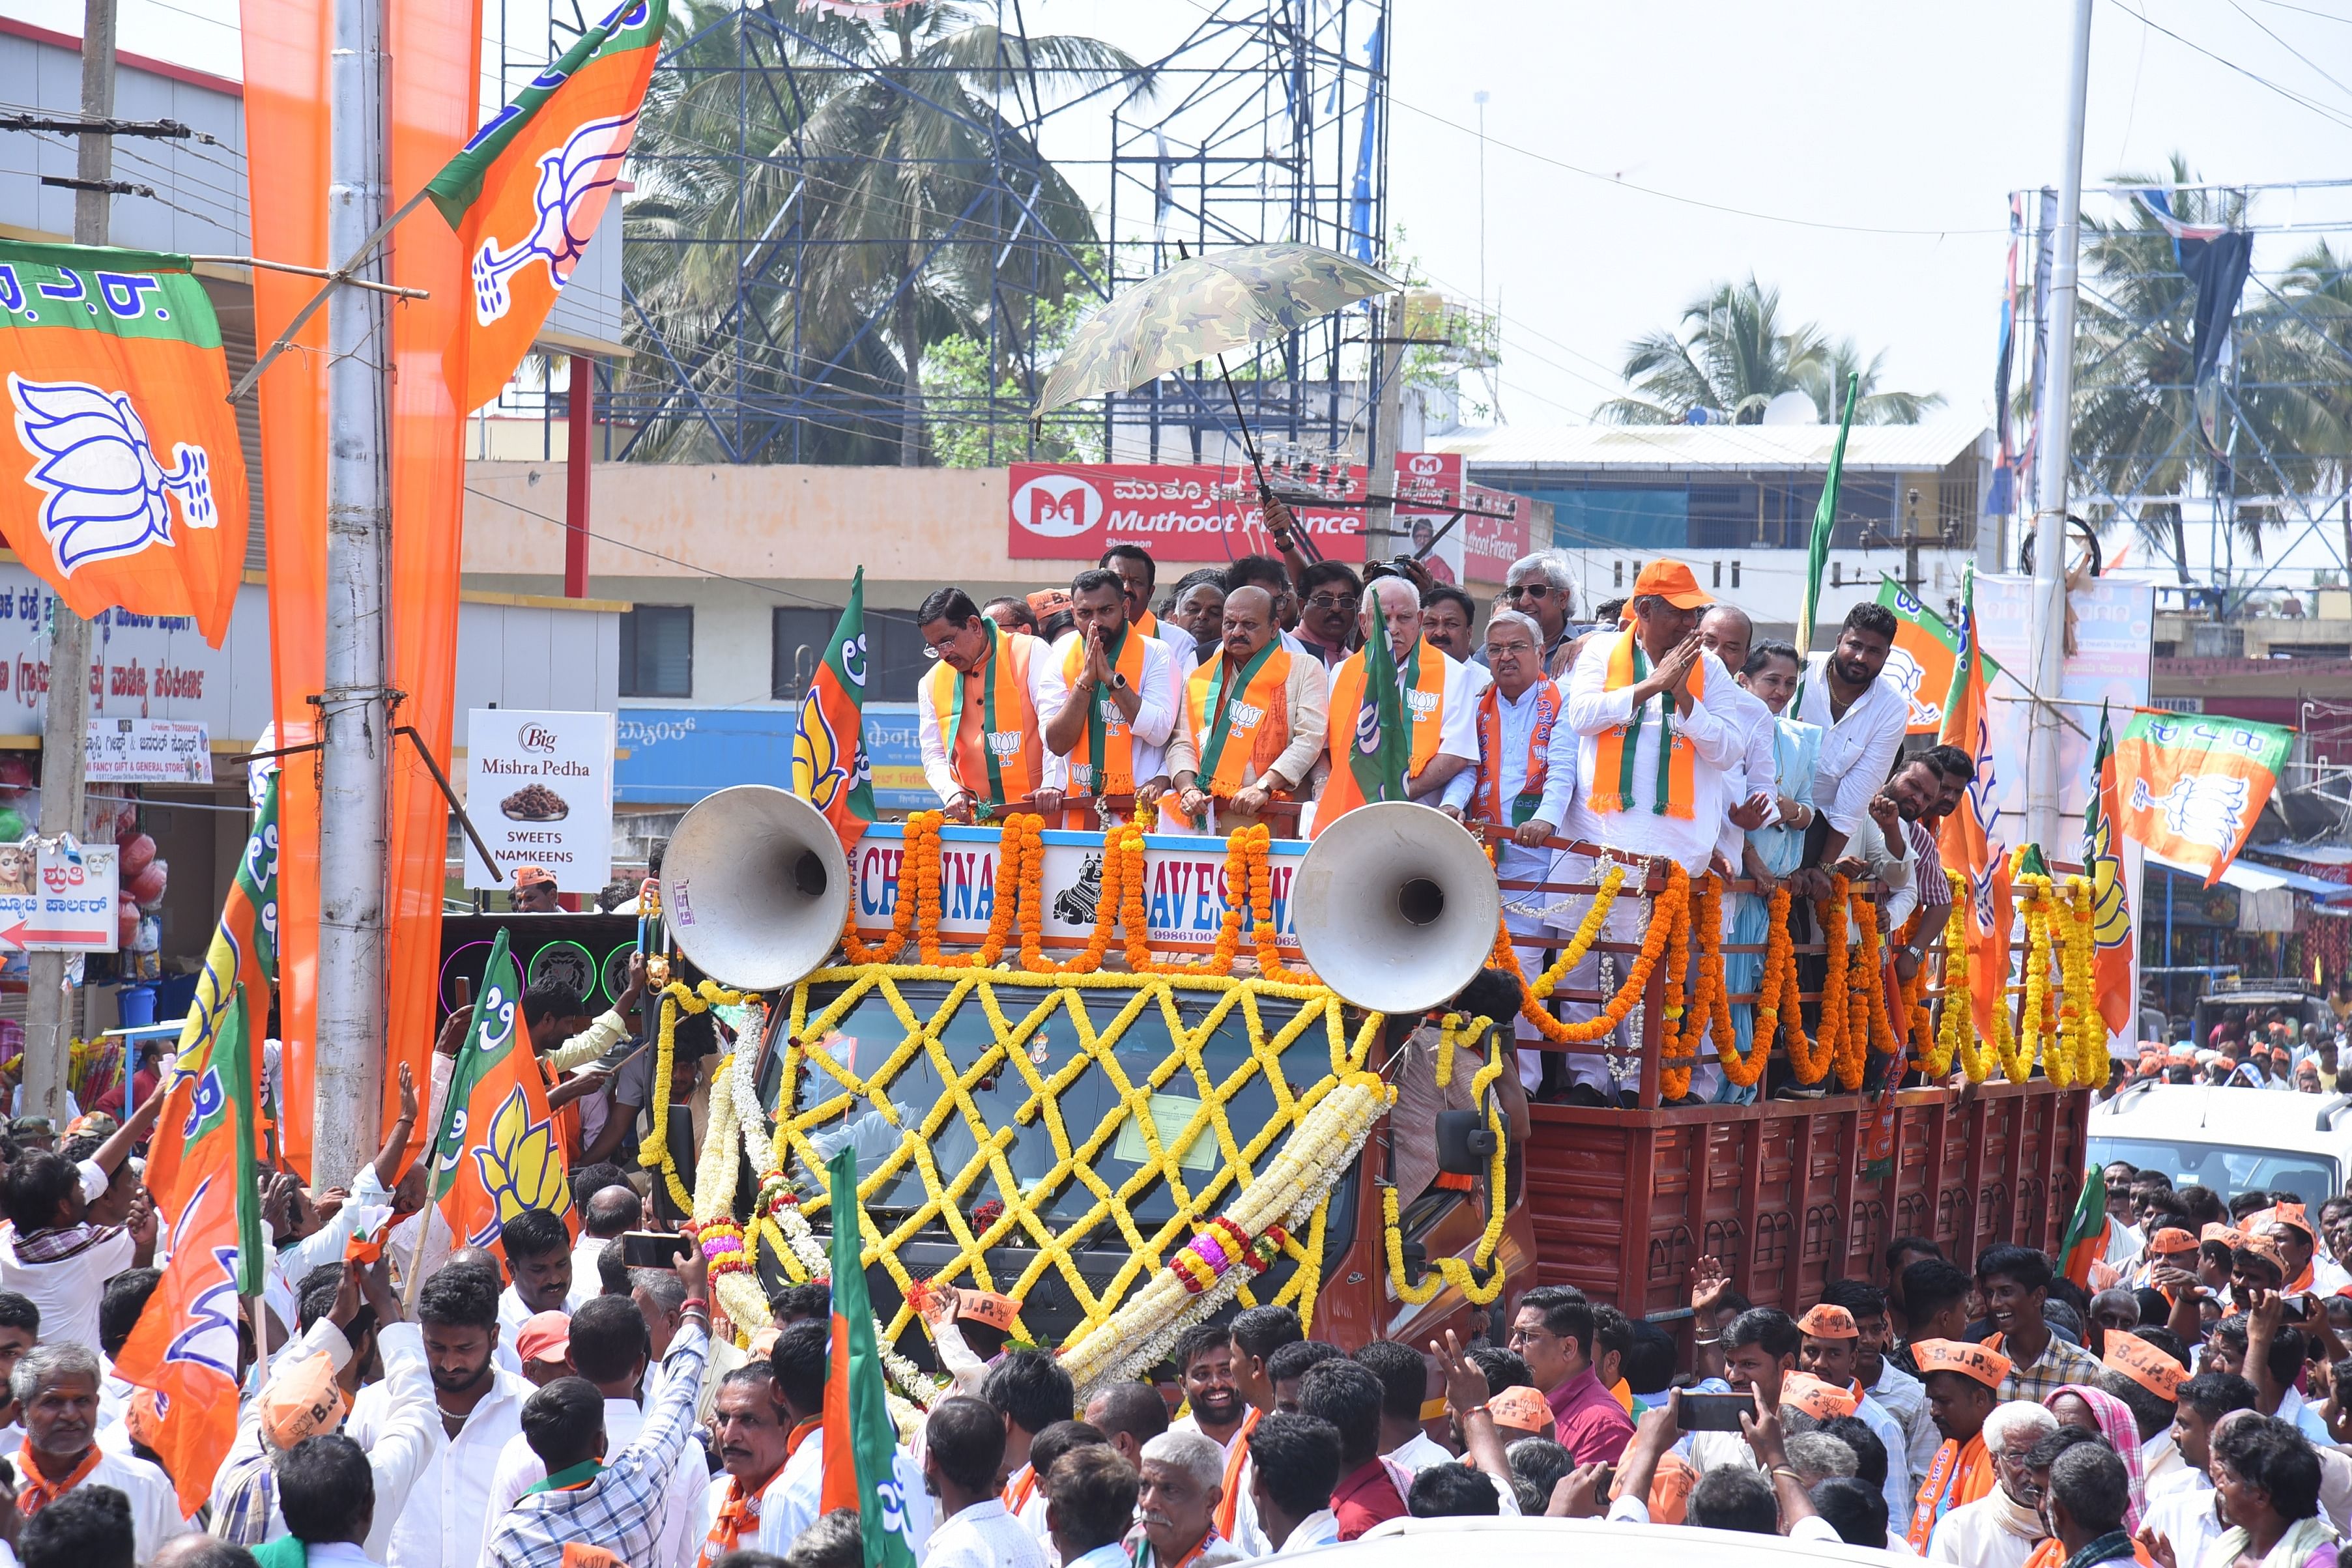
(416, 1257)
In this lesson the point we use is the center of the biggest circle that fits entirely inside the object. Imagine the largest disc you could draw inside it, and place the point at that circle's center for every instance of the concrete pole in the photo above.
(355, 719)
(2055, 442)
(65, 723)
(1387, 412)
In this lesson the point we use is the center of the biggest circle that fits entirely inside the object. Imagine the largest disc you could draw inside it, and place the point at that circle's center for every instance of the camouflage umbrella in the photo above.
(1204, 306)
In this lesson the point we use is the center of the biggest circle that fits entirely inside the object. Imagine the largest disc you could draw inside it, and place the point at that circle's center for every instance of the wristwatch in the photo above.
(1117, 681)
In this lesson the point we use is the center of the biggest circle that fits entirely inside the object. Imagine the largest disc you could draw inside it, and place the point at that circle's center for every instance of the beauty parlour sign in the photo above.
(1184, 888)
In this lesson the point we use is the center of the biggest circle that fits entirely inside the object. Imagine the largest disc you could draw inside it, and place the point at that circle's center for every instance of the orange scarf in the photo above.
(1238, 734)
(1423, 673)
(1237, 1460)
(1960, 1474)
(1112, 771)
(738, 1516)
(1614, 785)
(1489, 790)
(987, 724)
(36, 1491)
(1019, 1490)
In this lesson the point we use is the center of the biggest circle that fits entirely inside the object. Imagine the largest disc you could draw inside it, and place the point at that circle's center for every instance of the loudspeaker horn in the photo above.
(1395, 905)
(754, 887)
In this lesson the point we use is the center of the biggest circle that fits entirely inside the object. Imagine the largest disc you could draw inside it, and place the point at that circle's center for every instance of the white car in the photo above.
(2229, 1139)
(1515, 1541)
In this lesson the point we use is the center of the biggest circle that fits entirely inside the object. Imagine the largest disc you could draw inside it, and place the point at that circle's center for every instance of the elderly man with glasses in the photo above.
(1540, 589)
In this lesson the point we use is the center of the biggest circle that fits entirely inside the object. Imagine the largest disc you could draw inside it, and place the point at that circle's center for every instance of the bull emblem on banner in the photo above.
(589, 161)
(106, 489)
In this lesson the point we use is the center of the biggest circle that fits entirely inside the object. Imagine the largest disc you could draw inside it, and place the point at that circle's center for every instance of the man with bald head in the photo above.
(1439, 715)
(1251, 730)
(1727, 632)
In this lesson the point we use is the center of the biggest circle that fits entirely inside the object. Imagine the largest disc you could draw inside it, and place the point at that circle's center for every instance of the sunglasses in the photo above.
(1532, 590)
(1334, 601)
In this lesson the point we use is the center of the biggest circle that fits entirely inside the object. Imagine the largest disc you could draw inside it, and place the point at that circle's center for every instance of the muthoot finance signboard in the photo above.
(538, 788)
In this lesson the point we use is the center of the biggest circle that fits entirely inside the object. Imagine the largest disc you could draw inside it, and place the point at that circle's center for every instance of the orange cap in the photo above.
(2170, 1239)
(1982, 1363)
(2287, 1214)
(1821, 1401)
(301, 1401)
(1048, 601)
(2228, 1235)
(1671, 581)
(2265, 1249)
(2145, 1364)
(544, 1337)
(530, 876)
(986, 1307)
(1826, 1322)
(763, 1342)
(1522, 1409)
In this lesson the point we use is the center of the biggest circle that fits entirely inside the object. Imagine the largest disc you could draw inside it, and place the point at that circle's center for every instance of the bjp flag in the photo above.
(829, 766)
(130, 492)
(860, 1443)
(1922, 661)
(526, 194)
(1966, 842)
(2196, 785)
(185, 1344)
(2111, 926)
(243, 957)
(497, 1151)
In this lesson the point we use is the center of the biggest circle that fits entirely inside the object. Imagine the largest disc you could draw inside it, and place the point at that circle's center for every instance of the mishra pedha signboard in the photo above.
(538, 788)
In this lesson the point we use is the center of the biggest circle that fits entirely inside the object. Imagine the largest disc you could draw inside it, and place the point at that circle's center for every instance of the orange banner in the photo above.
(434, 102)
(286, 134)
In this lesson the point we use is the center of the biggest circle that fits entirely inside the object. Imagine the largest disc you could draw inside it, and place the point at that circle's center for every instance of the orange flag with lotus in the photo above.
(497, 1152)
(127, 487)
(527, 193)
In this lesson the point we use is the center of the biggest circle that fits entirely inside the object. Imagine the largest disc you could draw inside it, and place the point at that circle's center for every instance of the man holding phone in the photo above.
(1759, 1347)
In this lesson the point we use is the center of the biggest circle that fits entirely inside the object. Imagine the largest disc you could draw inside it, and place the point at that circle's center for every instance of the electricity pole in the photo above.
(2055, 443)
(353, 711)
(1387, 412)
(65, 722)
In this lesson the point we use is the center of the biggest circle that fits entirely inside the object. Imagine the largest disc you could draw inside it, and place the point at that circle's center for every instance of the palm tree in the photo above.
(1732, 353)
(2273, 419)
(807, 228)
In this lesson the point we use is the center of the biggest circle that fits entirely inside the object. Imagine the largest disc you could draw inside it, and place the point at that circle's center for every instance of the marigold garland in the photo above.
(1878, 1026)
(1676, 1058)
(1840, 1042)
(1671, 909)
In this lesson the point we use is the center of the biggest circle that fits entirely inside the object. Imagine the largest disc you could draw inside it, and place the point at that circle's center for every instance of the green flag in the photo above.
(1817, 553)
(497, 1151)
(861, 1446)
(1383, 746)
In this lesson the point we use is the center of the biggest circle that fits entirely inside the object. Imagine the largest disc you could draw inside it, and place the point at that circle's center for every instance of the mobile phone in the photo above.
(1715, 1411)
(2290, 1308)
(465, 994)
(1604, 1485)
(652, 1249)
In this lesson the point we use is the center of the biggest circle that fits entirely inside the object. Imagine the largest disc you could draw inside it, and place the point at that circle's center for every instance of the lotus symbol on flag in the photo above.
(2110, 919)
(106, 490)
(589, 161)
(522, 1164)
(818, 775)
(2207, 809)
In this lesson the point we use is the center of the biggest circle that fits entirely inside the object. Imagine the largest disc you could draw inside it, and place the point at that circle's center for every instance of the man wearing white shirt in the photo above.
(1112, 731)
(1861, 718)
(445, 1519)
(50, 1253)
(538, 1250)
(56, 1383)
(743, 1507)
(1294, 1466)
(963, 1445)
(610, 1348)
(983, 711)
(1526, 779)
(2181, 1508)
(1649, 708)
(605, 1215)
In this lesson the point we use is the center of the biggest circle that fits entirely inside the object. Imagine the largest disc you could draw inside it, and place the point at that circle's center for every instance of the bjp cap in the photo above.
(1822, 1401)
(544, 1337)
(1522, 1409)
(2263, 1248)
(986, 1307)
(300, 1402)
(1982, 1363)
(2171, 1239)
(1826, 1322)
(2289, 1214)
(531, 876)
(2227, 1235)
(1671, 581)
(2146, 1364)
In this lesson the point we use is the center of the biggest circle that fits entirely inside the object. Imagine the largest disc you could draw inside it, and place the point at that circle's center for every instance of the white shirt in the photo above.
(1162, 691)
(512, 1315)
(587, 1284)
(1517, 720)
(1857, 749)
(2163, 1471)
(1718, 745)
(1757, 770)
(784, 1513)
(339, 1553)
(678, 1542)
(1320, 1528)
(445, 1520)
(1991, 1532)
(154, 1508)
(983, 1536)
(67, 1290)
(1047, 693)
(1421, 1451)
(2186, 1517)
(772, 1535)
(1868, 844)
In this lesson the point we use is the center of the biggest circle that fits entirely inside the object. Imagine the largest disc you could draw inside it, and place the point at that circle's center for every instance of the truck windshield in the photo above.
(2313, 1178)
(873, 1031)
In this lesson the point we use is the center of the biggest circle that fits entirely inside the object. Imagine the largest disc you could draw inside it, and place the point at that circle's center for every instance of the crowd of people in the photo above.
(1662, 727)
(542, 1403)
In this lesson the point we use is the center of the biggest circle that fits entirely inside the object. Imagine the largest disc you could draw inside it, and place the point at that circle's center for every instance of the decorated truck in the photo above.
(1132, 1081)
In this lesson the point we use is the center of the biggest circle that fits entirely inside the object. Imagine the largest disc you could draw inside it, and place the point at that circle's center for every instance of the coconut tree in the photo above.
(805, 230)
(1733, 351)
